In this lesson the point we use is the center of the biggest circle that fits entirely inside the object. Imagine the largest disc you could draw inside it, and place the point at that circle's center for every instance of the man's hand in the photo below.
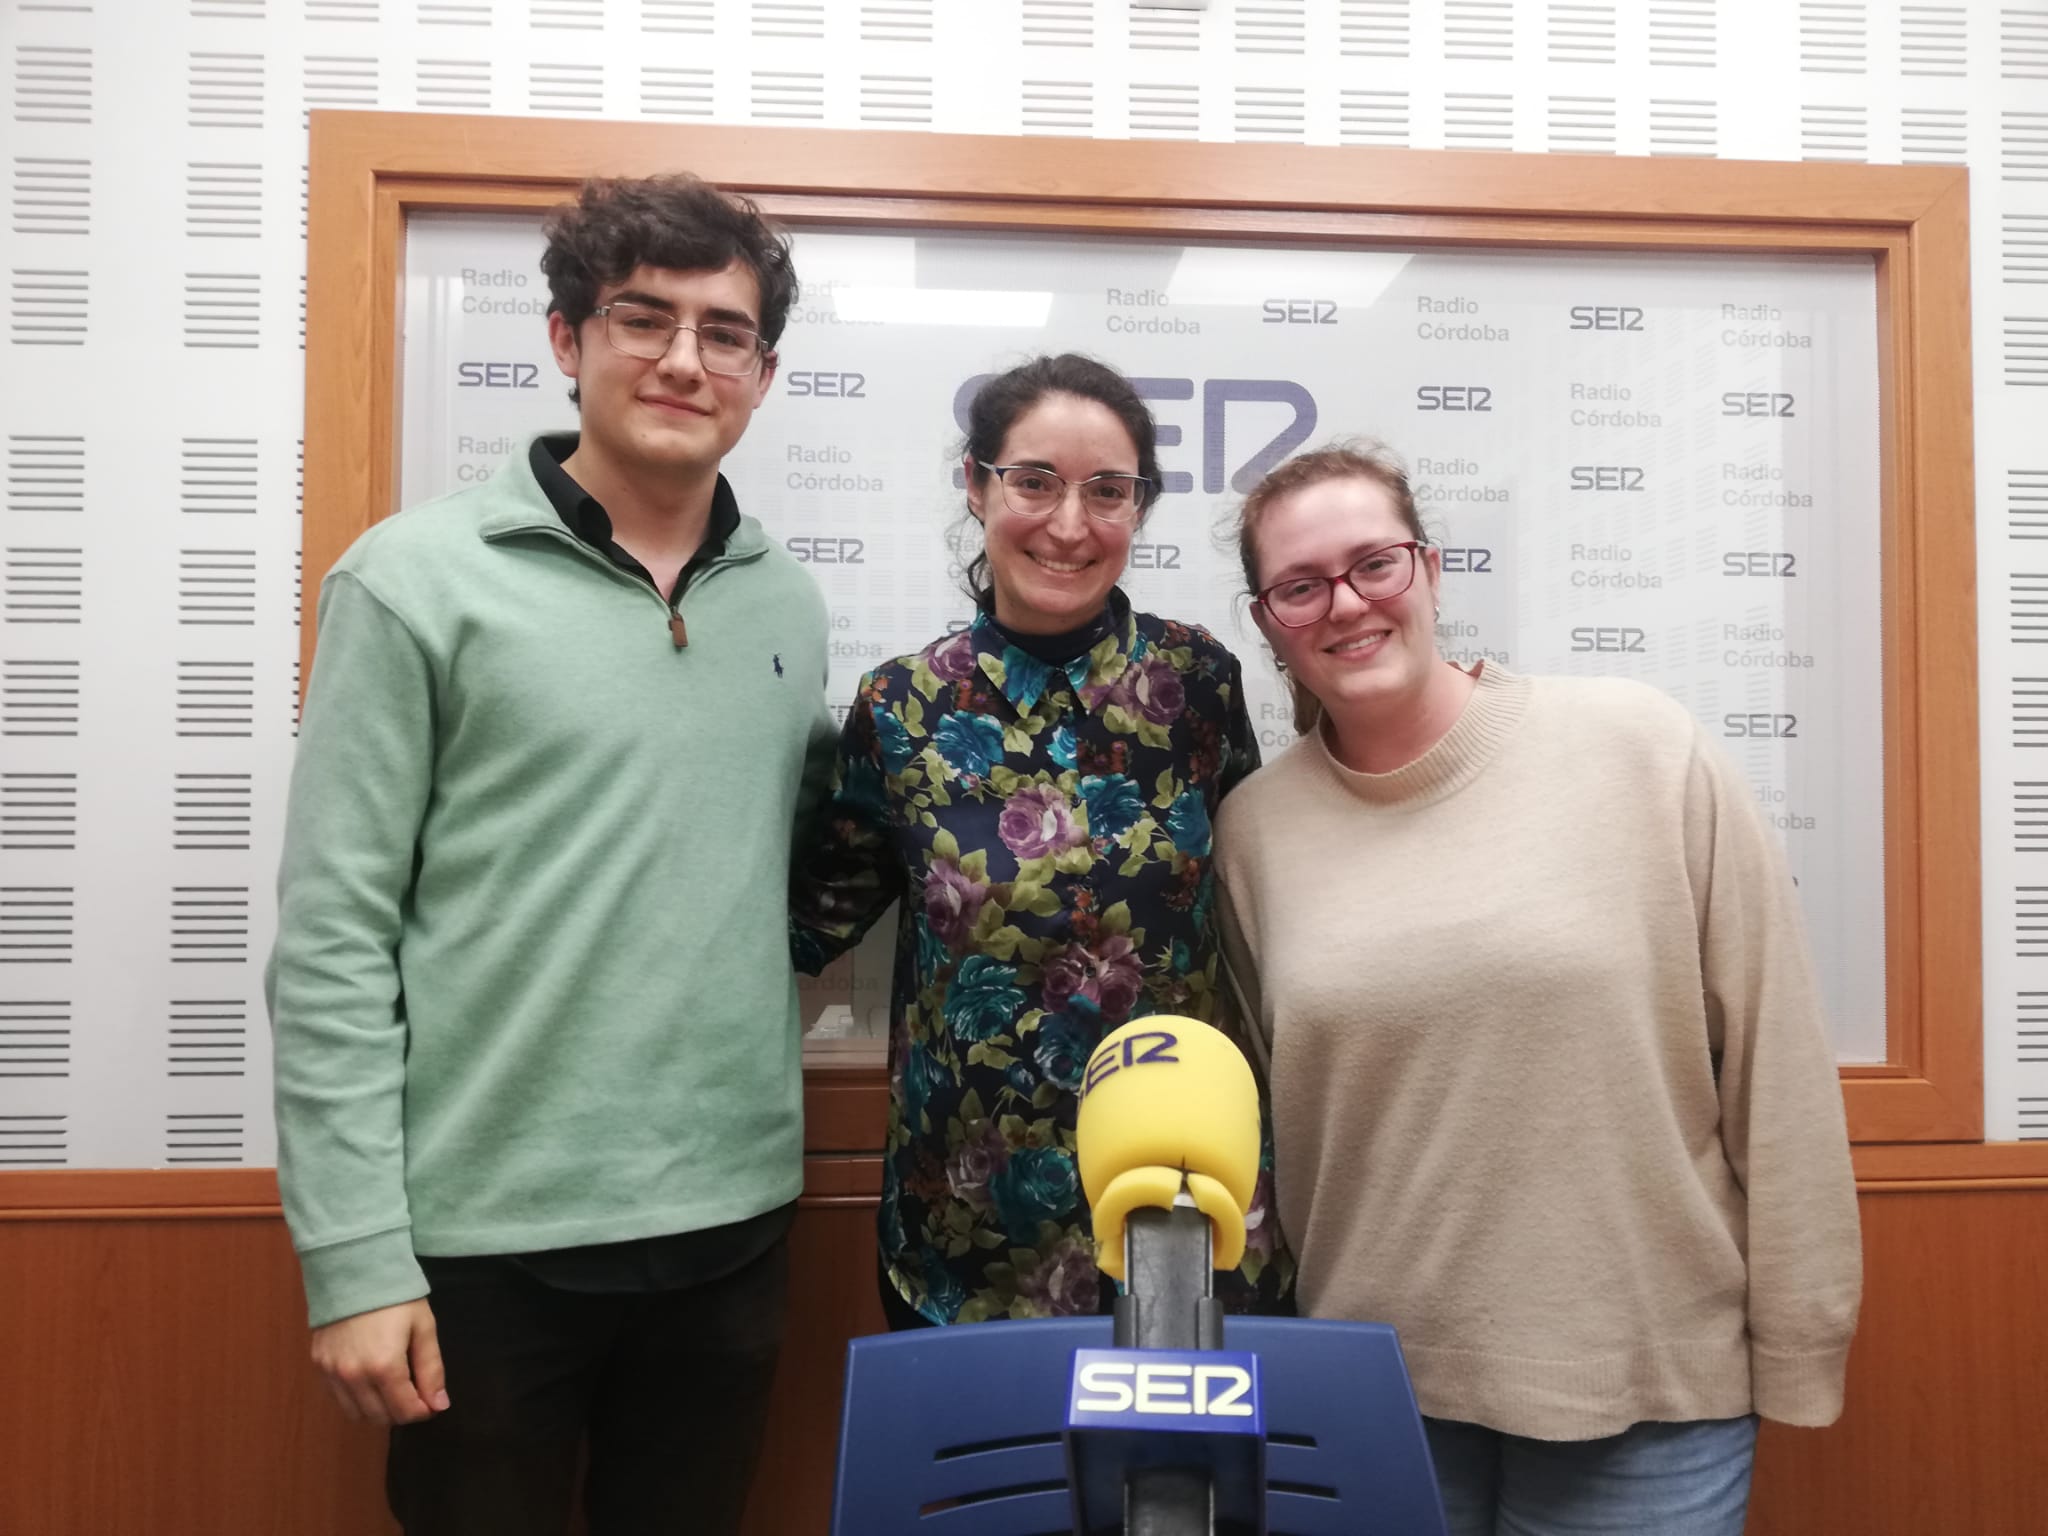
(383, 1367)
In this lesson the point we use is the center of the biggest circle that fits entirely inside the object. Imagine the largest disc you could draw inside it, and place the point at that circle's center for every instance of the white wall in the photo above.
(155, 261)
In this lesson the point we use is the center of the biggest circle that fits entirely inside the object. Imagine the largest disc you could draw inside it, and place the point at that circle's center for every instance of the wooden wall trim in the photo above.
(1139, 172)
(139, 1194)
(150, 1194)
(159, 1383)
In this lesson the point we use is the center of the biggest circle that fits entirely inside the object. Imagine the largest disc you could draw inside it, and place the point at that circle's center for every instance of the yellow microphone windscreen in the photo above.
(1163, 1096)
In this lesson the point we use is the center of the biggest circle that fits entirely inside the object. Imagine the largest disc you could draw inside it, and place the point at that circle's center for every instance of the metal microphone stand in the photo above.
(1168, 1304)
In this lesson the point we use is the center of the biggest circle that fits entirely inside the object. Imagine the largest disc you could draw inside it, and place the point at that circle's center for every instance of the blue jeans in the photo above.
(1649, 1480)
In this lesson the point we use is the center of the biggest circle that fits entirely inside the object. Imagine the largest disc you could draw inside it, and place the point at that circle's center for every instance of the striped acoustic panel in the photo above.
(53, 83)
(454, 13)
(33, 1141)
(1059, 23)
(896, 21)
(37, 924)
(452, 85)
(1934, 41)
(1580, 32)
(903, 101)
(46, 306)
(199, 1138)
(207, 1037)
(793, 20)
(1372, 117)
(42, 584)
(1165, 110)
(209, 924)
(52, 195)
(1162, 31)
(38, 811)
(688, 17)
(224, 90)
(1479, 31)
(1684, 34)
(1271, 26)
(1374, 29)
(35, 1042)
(1834, 36)
(565, 15)
(45, 472)
(676, 91)
(38, 696)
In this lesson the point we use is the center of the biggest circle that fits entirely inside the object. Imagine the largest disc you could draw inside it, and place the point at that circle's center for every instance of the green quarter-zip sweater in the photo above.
(531, 986)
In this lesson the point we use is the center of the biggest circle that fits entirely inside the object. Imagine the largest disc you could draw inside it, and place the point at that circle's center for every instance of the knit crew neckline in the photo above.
(1499, 700)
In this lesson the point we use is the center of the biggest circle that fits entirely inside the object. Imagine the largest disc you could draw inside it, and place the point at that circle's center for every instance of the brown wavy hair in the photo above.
(679, 222)
(1361, 458)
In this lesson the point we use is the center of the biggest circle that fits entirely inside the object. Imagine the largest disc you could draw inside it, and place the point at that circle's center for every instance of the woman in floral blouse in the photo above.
(1038, 790)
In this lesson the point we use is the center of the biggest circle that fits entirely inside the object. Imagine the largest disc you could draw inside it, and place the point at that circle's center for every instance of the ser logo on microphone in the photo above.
(1108, 1385)
(1147, 1046)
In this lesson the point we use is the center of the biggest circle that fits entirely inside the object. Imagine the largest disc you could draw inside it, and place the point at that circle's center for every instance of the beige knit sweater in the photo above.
(1550, 1089)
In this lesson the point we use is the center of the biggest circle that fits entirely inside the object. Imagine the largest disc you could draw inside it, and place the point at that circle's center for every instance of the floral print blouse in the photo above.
(1047, 827)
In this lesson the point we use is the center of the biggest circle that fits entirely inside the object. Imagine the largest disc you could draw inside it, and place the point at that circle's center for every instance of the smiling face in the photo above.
(1361, 658)
(1053, 573)
(663, 417)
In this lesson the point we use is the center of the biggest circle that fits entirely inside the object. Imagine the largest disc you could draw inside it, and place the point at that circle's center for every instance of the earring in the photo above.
(1439, 610)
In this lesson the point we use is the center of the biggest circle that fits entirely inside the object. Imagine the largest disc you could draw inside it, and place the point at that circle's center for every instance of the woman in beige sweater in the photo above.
(1551, 1092)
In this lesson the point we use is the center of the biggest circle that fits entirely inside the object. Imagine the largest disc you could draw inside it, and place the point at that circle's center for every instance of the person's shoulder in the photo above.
(424, 539)
(1204, 652)
(775, 567)
(1617, 711)
(936, 666)
(773, 559)
(1273, 789)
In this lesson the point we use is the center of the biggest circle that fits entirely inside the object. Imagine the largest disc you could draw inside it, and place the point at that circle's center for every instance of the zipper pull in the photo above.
(677, 632)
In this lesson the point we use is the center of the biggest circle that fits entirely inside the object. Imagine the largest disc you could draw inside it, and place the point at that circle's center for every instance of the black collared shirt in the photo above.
(584, 517)
(682, 1259)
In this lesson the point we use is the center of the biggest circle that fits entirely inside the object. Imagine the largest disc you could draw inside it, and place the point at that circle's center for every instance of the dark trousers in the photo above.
(667, 1391)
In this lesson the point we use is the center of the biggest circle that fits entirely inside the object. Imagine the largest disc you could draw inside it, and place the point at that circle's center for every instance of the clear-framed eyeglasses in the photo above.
(639, 330)
(1030, 491)
(1377, 575)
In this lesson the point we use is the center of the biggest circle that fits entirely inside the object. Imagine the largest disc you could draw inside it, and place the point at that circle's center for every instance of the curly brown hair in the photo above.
(679, 222)
(1359, 457)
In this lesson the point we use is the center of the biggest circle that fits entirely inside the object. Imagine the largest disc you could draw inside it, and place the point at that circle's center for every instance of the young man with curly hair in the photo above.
(538, 1091)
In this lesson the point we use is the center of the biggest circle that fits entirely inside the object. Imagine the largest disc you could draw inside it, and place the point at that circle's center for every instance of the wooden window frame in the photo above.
(371, 171)
(1918, 1116)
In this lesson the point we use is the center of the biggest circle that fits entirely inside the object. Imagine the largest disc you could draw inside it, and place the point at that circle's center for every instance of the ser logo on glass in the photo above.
(1627, 641)
(1471, 562)
(497, 376)
(1756, 402)
(1299, 311)
(828, 551)
(1155, 557)
(1453, 397)
(827, 386)
(1218, 395)
(1760, 727)
(1606, 317)
(1607, 477)
(1757, 562)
